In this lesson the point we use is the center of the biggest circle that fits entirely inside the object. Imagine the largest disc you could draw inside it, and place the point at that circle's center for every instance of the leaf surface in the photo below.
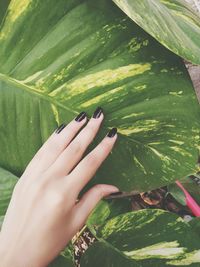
(146, 238)
(172, 22)
(77, 55)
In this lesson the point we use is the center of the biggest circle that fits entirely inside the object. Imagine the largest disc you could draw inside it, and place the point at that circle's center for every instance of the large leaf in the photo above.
(79, 54)
(172, 22)
(147, 238)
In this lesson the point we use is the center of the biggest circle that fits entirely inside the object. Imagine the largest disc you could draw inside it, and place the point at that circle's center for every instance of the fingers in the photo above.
(73, 153)
(88, 202)
(55, 144)
(86, 169)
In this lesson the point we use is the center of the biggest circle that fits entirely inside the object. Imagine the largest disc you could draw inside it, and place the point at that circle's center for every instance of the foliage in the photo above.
(172, 22)
(106, 210)
(144, 238)
(79, 54)
(102, 59)
(190, 185)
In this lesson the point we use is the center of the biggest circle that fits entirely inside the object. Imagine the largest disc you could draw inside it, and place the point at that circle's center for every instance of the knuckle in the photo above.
(93, 159)
(105, 147)
(57, 199)
(35, 187)
(54, 145)
(76, 146)
(99, 190)
(90, 130)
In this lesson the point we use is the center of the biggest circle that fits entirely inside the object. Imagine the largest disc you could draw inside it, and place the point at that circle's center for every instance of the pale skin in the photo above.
(44, 214)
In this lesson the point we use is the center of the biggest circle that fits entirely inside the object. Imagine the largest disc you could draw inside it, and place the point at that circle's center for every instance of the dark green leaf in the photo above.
(102, 254)
(3, 7)
(62, 261)
(106, 210)
(152, 238)
(177, 193)
(65, 259)
(172, 22)
(192, 187)
(195, 224)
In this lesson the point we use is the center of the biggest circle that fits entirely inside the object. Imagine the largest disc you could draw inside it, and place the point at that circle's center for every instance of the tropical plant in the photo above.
(79, 54)
(144, 238)
(172, 22)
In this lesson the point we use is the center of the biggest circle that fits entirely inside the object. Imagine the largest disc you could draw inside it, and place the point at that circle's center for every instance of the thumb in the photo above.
(88, 202)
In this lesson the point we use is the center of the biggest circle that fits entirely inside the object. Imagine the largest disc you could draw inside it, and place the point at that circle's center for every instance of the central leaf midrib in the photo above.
(32, 90)
(49, 99)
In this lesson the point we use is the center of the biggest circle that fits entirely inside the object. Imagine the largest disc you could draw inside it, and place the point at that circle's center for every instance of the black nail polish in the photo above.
(81, 116)
(60, 128)
(112, 132)
(97, 113)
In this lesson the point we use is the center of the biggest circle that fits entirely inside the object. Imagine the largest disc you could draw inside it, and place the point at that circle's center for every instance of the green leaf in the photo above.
(62, 261)
(3, 7)
(172, 22)
(102, 254)
(192, 187)
(177, 193)
(150, 238)
(195, 224)
(65, 259)
(77, 55)
(7, 183)
(106, 210)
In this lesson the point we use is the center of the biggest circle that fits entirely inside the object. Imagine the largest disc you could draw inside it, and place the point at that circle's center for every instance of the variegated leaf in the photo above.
(146, 238)
(172, 22)
(79, 54)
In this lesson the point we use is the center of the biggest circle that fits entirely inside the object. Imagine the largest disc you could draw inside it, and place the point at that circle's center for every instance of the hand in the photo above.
(43, 214)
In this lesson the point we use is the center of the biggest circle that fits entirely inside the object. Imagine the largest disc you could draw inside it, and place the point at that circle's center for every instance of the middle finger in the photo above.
(73, 153)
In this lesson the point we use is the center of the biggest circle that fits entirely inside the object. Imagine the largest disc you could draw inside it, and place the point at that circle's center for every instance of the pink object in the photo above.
(191, 203)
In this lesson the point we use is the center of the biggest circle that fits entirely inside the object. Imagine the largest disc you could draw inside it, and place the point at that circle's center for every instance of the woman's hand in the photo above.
(43, 214)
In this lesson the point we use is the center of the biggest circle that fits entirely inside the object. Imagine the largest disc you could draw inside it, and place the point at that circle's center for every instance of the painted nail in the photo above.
(112, 132)
(97, 113)
(60, 128)
(81, 116)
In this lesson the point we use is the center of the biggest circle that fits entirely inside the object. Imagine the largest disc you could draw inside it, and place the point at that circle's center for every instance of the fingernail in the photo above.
(81, 116)
(60, 128)
(112, 132)
(97, 113)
